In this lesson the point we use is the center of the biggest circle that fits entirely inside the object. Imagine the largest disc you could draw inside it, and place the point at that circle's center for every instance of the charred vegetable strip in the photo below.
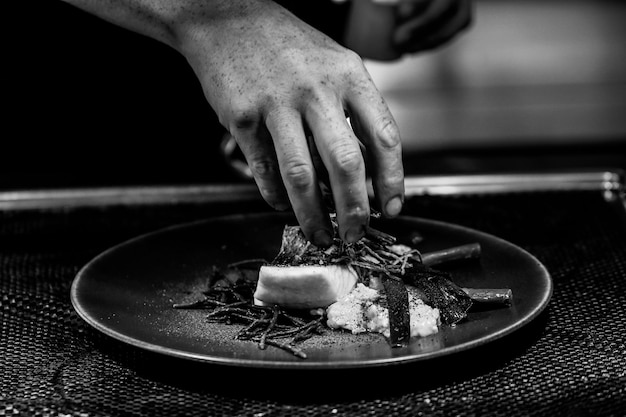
(288, 347)
(398, 306)
(206, 303)
(440, 292)
(250, 263)
(469, 251)
(490, 295)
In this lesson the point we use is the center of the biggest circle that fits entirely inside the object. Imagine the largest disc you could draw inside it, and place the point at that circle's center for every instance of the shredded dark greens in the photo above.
(229, 300)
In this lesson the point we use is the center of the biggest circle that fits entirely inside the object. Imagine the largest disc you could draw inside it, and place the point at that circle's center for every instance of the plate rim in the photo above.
(537, 309)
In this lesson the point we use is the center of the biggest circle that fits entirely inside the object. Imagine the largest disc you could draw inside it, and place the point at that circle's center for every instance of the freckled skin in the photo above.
(271, 79)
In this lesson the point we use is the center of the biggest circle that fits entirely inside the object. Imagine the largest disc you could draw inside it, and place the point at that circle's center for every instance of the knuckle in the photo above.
(348, 159)
(389, 133)
(353, 60)
(298, 174)
(263, 169)
(241, 116)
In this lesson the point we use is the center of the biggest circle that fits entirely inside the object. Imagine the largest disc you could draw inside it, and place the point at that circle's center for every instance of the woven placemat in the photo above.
(570, 361)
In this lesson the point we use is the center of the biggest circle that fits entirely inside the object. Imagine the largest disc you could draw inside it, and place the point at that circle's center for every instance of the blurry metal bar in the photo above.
(129, 195)
(511, 182)
(605, 181)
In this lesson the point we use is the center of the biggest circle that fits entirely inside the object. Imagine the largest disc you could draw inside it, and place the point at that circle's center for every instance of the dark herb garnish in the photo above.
(231, 302)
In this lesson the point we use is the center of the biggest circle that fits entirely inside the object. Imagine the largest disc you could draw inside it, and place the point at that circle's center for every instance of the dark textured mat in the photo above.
(571, 361)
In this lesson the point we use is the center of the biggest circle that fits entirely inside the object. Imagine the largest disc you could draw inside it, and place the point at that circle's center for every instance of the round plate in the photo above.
(128, 291)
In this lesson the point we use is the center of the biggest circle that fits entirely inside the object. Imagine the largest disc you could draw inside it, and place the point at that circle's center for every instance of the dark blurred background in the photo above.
(533, 85)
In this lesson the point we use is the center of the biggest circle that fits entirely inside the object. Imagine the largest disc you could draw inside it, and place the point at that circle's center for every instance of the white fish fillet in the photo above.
(304, 286)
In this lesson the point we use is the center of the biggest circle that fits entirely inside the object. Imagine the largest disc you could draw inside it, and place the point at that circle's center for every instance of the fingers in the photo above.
(299, 175)
(419, 15)
(339, 150)
(440, 22)
(330, 152)
(323, 179)
(256, 144)
(270, 76)
(376, 127)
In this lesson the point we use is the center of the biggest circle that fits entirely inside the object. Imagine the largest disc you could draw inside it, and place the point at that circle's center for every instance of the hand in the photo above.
(274, 81)
(385, 30)
(427, 24)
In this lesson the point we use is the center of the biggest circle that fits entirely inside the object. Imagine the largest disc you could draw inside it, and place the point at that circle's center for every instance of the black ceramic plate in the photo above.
(128, 291)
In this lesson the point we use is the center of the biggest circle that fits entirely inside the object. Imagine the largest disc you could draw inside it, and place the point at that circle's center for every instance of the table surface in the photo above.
(571, 360)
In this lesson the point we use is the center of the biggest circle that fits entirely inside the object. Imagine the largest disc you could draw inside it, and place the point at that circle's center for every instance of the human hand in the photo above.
(387, 29)
(274, 81)
(427, 24)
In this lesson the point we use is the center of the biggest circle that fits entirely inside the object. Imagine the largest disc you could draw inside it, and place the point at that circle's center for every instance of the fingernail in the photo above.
(322, 238)
(354, 234)
(393, 207)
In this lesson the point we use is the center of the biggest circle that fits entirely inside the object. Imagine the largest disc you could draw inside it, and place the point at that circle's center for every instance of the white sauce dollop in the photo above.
(364, 310)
